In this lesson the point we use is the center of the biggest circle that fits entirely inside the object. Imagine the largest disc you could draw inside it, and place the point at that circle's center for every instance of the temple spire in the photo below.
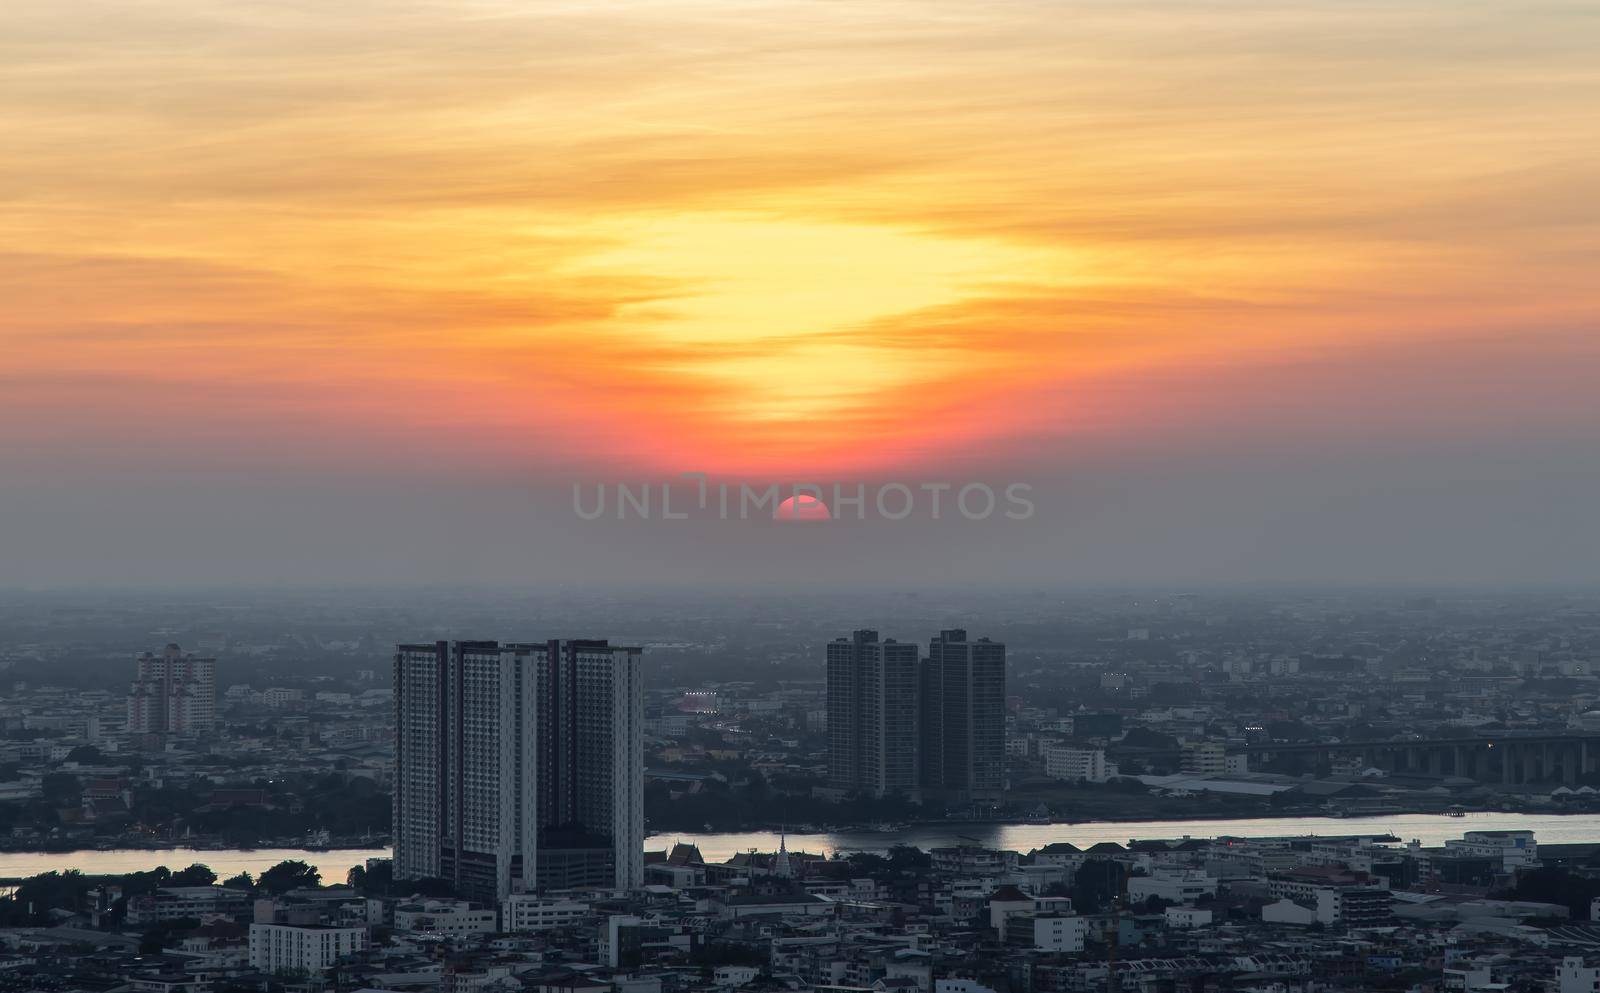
(782, 867)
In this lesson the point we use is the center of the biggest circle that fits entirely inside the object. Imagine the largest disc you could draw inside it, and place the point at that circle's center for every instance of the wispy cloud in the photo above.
(769, 235)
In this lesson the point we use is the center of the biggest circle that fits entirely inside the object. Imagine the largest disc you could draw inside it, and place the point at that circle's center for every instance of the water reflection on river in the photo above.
(1430, 829)
(334, 864)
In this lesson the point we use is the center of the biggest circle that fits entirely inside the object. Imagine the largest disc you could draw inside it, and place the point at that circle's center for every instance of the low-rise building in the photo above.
(1047, 932)
(530, 912)
(1204, 758)
(1175, 885)
(175, 903)
(302, 949)
(1077, 765)
(1187, 918)
(445, 917)
(1574, 977)
(1512, 849)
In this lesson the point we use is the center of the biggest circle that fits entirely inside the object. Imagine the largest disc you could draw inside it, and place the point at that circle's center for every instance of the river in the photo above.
(1430, 829)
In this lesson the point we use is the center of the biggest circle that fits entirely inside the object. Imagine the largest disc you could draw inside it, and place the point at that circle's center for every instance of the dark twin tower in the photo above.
(927, 727)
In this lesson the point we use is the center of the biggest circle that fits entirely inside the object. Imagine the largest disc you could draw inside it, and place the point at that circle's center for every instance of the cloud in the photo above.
(788, 235)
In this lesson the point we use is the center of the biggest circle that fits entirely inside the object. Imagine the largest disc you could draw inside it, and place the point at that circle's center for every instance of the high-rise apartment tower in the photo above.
(519, 767)
(872, 715)
(172, 693)
(963, 718)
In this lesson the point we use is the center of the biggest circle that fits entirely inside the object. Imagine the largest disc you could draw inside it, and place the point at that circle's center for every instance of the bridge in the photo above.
(1509, 759)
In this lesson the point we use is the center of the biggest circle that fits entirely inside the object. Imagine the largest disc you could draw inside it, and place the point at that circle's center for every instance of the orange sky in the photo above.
(773, 237)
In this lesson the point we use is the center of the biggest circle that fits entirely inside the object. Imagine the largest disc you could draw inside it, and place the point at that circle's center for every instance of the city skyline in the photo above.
(1254, 784)
(1202, 394)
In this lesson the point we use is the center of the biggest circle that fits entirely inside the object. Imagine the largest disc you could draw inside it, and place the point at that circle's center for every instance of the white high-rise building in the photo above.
(519, 767)
(174, 692)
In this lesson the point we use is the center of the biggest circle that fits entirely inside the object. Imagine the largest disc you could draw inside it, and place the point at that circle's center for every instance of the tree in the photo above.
(1153, 740)
(1096, 883)
(904, 857)
(61, 788)
(374, 881)
(289, 875)
(45, 892)
(195, 875)
(86, 755)
(153, 941)
(1550, 885)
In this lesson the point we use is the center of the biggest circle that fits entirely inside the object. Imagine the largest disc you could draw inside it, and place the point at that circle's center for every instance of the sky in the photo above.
(301, 292)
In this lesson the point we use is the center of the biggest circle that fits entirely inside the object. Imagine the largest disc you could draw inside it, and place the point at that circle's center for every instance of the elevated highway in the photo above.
(1509, 758)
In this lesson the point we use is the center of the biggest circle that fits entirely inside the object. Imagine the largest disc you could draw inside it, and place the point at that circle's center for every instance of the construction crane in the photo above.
(1113, 981)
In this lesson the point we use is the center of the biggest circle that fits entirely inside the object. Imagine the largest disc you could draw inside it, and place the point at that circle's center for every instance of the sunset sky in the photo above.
(309, 246)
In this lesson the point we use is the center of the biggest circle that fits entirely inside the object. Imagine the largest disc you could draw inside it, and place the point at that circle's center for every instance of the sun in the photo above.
(800, 508)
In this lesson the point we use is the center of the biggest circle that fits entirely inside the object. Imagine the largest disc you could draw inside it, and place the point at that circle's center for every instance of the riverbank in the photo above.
(1065, 803)
(334, 864)
(1175, 816)
(1428, 829)
(12, 846)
